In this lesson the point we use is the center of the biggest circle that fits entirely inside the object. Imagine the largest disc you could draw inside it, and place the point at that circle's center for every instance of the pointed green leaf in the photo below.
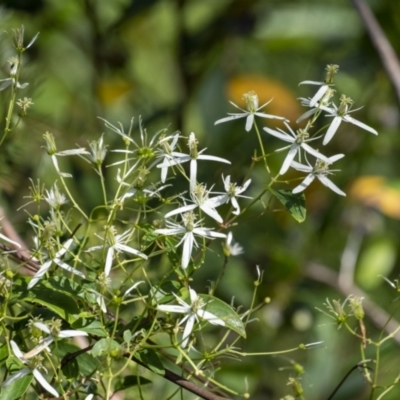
(129, 381)
(86, 362)
(295, 203)
(151, 360)
(225, 312)
(59, 302)
(106, 347)
(17, 389)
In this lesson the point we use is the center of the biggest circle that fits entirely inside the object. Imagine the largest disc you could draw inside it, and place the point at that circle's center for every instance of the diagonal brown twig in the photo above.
(385, 50)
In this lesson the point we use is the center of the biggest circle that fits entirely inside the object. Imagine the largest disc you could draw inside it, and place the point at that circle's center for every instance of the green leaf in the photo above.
(86, 362)
(151, 360)
(17, 389)
(59, 302)
(225, 312)
(3, 354)
(129, 381)
(91, 326)
(106, 346)
(295, 203)
(71, 369)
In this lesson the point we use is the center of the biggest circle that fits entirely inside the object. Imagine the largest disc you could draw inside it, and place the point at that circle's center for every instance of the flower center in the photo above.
(251, 101)
(302, 136)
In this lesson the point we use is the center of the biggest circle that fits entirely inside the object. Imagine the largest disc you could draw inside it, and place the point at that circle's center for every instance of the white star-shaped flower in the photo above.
(319, 171)
(331, 70)
(179, 158)
(251, 99)
(193, 312)
(57, 259)
(54, 331)
(117, 244)
(200, 198)
(232, 192)
(340, 114)
(299, 141)
(32, 368)
(189, 229)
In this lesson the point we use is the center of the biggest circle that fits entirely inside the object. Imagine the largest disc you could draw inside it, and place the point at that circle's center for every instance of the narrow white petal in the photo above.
(212, 213)
(43, 345)
(64, 248)
(301, 167)
(109, 260)
(334, 158)
(219, 200)
(131, 250)
(332, 130)
(311, 83)
(328, 183)
(193, 295)
(211, 318)
(307, 181)
(39, 377)
(283, 136)
(187, 249)
(39, 275)
(230, 118)
(72, 152)
(17, 352)
(67, 267)
(306, 115)
(321, 91)
(289, 158)
(212, 158)
(172, 308)
(193, 174)
(71, 333)
(42, 327)
(134, 286)
(236, 206)
(9, 240)
(314, 152)
(269, 116)
(360, 124)
(249, 122)
(170, 231)
(181, 210)
(188, 330)
(18, 375)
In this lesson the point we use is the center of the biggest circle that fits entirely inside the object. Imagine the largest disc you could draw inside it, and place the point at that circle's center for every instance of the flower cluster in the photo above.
(300, 141)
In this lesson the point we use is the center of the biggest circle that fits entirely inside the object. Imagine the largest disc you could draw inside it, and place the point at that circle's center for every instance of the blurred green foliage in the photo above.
(177, 63)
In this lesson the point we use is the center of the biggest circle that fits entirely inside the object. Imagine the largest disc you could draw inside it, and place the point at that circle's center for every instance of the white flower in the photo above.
(193, 311)
(55, 198)
(200, 199)
(117, 243)
(189, 229)
(298, 141)
(57, 259)
(99, 299)
(179, 158)
(53, 153)
(54, 331)
(165, 153)
(231, 248)
(320, 171)
(232, 191)
(324, 101)
(252, 109)
(340, 114)
(331, 70)
(33, 367)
